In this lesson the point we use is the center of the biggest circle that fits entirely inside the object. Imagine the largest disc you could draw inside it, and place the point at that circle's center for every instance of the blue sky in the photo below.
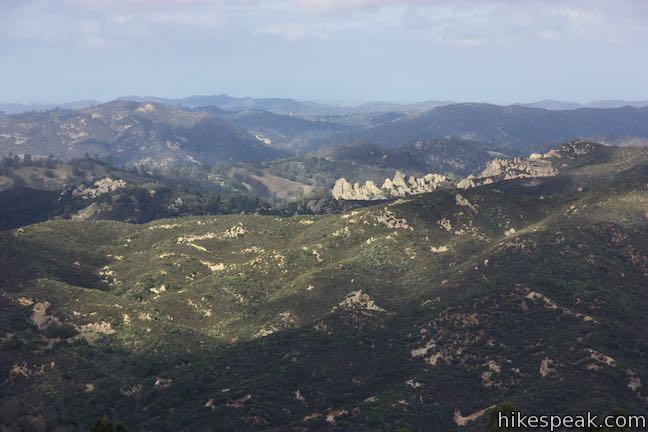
(499, 51)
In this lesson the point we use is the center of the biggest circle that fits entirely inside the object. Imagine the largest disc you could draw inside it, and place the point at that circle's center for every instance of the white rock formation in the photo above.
(343, 190)
(98, 188)
(536, 165)
(358, 299)
(398, 187)
(519, 168)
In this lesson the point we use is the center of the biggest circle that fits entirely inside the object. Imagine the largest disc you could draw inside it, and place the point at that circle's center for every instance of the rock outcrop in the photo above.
(536, 165)
(398, 187)
(343, 190)
(358, 300)
(572, 149)
(98, 188)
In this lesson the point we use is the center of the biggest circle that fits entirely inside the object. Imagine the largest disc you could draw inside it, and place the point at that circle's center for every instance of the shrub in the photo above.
(506, 409)
(105, 425)
(63, 331)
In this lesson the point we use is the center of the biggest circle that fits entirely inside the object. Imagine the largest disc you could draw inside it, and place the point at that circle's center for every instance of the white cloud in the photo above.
(293, 32)
(334, 6)
(206, 19)
(89, 28)
(90, 36)
(548, 35)
(503, 23)
(462, 23)
(112, 4)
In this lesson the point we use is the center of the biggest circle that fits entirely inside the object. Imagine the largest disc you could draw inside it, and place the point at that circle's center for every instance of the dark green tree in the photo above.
(213, 204)
(506, 409)
(105, 425)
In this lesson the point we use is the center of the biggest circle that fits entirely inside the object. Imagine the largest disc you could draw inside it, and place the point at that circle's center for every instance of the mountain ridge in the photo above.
(307, 107)
(132, 133)
(512, 127)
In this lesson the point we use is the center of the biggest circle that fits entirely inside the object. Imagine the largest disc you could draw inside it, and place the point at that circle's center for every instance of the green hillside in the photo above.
(416, 314)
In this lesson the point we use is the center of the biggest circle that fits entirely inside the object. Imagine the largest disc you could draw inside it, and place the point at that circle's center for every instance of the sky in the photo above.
(499, 51)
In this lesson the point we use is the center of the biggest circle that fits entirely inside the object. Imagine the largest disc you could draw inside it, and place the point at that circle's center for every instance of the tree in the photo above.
(213, 204)
(506, 409)
(76, 170)
(105, 425)
(50, 162)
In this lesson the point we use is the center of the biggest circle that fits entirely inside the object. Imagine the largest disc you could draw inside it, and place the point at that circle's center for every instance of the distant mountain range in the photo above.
(306, 108)
(156, 134)
(23, 107)
(131, 133)
(516, 128)
(551, 104)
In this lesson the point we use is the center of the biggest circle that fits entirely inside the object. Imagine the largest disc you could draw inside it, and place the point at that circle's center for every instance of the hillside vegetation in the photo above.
(38, 189)
(419, 312)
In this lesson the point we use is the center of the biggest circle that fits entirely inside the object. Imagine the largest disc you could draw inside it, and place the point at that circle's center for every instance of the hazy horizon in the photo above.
(495, 51)
(330, 102)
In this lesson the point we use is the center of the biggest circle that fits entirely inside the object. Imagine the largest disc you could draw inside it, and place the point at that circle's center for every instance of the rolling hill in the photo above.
(37, 190)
